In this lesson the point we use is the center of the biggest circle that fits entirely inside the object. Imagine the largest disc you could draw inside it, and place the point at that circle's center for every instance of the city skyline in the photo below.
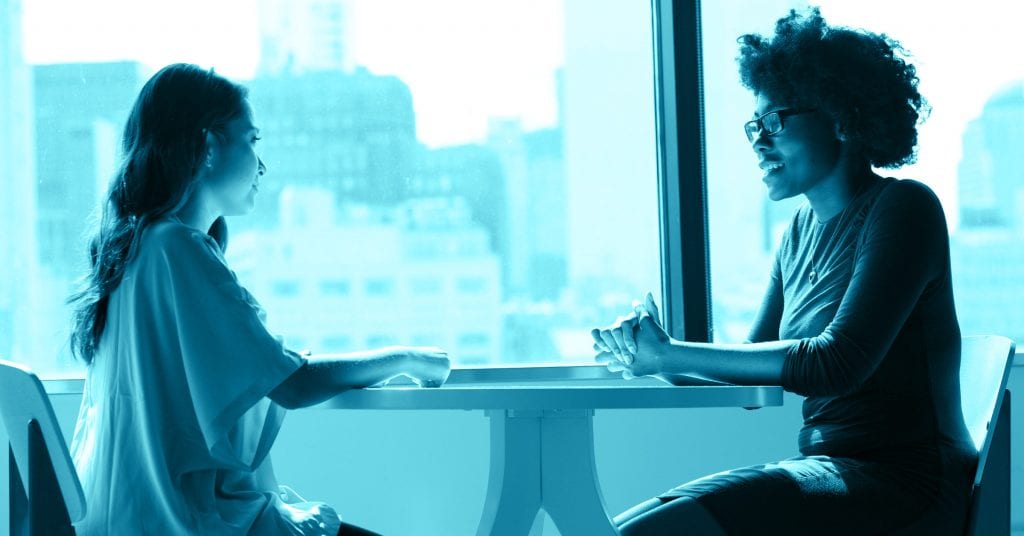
(552, 199)
(481, 74)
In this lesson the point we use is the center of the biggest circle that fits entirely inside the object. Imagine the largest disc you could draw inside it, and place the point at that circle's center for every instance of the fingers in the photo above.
(610, 362)
(618, 339)
(652, 308)
(605, 357)
(624, 354)
(609, 341)
(599, 344)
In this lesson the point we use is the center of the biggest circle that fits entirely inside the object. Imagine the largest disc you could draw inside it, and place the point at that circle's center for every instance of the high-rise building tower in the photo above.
(18, 324)
(988, 247)
(304, 35)
(991, 174)
(80, 110)
(353, 134)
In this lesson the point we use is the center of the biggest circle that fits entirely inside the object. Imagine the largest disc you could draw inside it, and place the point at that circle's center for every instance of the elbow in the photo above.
(818, 366)
(291, 394)
(285, 398)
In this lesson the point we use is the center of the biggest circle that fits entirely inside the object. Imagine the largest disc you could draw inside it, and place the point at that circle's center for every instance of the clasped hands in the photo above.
(634, 343)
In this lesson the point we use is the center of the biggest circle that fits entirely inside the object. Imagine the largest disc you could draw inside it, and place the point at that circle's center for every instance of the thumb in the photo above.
(648, 323)
(652, 308)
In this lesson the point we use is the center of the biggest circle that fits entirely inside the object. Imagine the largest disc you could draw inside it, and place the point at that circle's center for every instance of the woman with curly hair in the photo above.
(186, 389)
(858, 316)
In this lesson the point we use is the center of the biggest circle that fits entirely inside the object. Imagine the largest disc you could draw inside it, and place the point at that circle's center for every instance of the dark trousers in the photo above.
(352, 530)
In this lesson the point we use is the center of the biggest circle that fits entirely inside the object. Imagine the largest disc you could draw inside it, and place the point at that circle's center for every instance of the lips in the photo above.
(770, 166)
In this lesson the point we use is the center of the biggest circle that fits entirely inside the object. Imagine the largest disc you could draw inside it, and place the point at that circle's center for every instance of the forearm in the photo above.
(743, 364)
(324, 376)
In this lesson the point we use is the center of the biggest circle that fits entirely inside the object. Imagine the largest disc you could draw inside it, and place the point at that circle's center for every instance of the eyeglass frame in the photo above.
(757, 124)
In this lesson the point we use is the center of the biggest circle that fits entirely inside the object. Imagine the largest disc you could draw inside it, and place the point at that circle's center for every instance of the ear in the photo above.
(212, 147)
(840, 132)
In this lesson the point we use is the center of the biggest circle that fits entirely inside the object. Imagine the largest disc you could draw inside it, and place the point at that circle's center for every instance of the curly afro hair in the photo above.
(859, 79)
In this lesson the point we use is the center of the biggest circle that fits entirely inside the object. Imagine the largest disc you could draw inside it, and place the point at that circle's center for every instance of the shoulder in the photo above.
(168, 244)
(168, 234)
(908, 195)
(906, 210)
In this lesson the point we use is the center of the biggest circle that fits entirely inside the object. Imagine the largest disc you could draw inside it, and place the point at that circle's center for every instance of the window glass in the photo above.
(968, 151)
(452, 167)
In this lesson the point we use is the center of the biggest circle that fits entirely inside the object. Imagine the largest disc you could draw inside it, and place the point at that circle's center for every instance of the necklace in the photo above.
(826, 264)
(816, 273)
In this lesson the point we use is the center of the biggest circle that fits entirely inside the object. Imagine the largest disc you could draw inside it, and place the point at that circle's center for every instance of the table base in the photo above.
(543, 459)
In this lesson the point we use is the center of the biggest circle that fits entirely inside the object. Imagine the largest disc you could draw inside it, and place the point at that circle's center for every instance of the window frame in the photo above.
(682, 201)
(682, 169)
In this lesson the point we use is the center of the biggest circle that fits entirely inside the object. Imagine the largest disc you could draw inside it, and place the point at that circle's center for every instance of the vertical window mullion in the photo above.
(681, 169)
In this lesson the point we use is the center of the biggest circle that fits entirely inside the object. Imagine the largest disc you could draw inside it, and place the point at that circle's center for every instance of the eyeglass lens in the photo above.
(771, 122)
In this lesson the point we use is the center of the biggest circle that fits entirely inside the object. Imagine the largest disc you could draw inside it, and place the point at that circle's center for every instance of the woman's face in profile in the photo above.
(233, 180)
(799, 156)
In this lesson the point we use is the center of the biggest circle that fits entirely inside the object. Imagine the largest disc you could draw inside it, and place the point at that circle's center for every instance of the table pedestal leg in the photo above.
(543, 459)
(513, 486)
(569, 487)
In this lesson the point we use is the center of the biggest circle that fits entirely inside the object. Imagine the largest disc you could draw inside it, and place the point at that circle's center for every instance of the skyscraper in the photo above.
(304, 35)
(988, 248)
(18, 286)
(80, 109)
(353, 134)
(991, 173)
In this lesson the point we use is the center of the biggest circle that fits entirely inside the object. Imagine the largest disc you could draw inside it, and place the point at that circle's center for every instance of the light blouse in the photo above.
(175, 427)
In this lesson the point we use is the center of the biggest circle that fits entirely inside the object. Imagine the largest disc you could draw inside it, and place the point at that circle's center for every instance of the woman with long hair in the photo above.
(186, 389)
(858, 316)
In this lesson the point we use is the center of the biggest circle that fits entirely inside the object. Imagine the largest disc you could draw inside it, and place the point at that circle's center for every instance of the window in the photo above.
(336, 287)
(377, 340)
(474, 339)
(471, 285)
(425, 285)
(284, 288)
(379, 287)
(968, 152)
(440, 144)
(338, 343)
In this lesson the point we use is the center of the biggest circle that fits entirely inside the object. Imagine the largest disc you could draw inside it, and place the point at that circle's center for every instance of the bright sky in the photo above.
(465, 60)
(470, 60)
(964, 53)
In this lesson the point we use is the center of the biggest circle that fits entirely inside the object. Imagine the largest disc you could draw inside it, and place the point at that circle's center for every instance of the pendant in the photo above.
(813, 277)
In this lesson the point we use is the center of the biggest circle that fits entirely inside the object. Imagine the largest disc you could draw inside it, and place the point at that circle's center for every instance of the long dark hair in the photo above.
(163, 147)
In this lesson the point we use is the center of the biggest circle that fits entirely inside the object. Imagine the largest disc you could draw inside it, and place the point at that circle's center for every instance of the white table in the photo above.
(542, 435)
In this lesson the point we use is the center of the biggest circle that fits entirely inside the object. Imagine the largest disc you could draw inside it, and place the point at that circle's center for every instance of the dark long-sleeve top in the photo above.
(869, 296)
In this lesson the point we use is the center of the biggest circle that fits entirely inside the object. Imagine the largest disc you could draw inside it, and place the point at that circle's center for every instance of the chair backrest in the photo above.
(985, 401)
(22, 402)
(984, 368)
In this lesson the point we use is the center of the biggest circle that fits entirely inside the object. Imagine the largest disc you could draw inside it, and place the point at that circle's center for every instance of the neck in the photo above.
(198, 212)
(833, 193)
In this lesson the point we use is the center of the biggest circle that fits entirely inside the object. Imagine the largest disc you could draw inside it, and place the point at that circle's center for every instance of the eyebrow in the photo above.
(767, 110)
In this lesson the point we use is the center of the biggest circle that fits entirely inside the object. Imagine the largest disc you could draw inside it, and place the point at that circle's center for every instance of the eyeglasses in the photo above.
(771, 123)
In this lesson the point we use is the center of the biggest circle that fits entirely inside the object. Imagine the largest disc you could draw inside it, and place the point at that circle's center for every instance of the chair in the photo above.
(38, 457)
(984, 369)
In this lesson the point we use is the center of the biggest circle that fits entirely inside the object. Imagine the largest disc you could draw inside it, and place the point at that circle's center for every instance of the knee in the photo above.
(679, 516)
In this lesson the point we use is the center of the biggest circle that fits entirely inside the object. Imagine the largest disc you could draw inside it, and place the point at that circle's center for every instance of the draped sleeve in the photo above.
(229, 361)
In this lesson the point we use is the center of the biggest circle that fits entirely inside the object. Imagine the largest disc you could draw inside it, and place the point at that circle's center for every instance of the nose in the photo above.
(761, 141)
(262, 168)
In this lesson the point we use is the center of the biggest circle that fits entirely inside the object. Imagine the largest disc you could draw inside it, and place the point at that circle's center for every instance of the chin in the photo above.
(243, 210)
(776, 195)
